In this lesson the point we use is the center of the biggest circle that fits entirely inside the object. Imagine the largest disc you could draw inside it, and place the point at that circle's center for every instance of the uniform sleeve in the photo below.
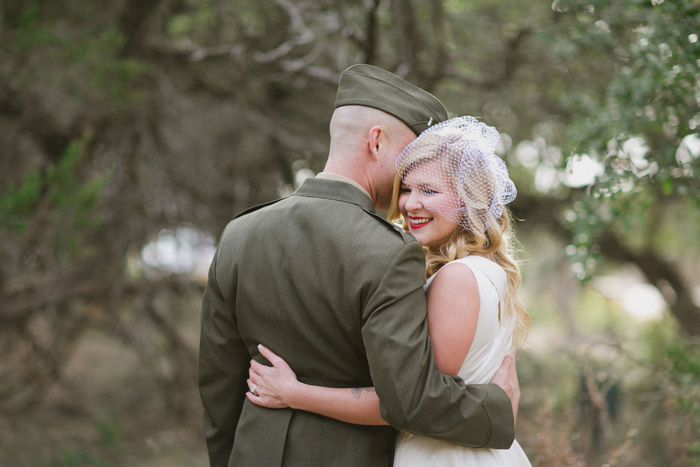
(223, 365)
(414, 396)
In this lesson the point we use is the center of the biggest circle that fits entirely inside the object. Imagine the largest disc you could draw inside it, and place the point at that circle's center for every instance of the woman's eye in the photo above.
(404, 189)
(430, 192)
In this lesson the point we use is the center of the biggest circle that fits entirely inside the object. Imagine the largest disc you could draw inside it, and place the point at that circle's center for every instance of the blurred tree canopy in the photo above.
(120, 119)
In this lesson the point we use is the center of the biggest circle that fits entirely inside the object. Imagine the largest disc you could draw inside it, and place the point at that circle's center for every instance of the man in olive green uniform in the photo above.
(337, 291)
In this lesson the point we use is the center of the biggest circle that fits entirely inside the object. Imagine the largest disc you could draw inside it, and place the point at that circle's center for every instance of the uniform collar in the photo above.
(335, 188)
(342, 178)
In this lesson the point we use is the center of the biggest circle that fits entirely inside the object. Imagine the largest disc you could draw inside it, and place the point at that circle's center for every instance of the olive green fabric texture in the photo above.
(370, 86)
(338, 293)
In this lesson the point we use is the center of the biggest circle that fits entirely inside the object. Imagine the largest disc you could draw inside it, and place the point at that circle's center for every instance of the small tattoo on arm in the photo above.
(357, 392)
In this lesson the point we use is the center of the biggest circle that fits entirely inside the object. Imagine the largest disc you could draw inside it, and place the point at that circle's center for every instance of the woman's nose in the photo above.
(413, 202)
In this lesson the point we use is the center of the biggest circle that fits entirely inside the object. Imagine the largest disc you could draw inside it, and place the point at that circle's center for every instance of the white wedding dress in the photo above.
(491, 344)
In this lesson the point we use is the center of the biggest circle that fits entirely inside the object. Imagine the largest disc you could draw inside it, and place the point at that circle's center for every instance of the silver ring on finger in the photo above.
(252, 390)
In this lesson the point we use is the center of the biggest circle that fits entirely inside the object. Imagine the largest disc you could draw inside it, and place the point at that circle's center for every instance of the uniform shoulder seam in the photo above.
(257, 207)
(392, 227)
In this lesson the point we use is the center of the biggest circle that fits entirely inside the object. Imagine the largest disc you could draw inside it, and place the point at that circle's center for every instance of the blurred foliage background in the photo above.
(131, 131)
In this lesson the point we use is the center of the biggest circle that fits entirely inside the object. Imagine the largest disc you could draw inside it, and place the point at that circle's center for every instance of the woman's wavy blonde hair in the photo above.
(497, 242)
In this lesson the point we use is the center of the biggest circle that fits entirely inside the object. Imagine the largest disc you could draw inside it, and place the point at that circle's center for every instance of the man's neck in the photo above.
(342, 178)
(355, 177)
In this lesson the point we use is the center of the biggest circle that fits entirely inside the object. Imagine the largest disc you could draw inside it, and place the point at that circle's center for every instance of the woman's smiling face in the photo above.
(419, 201)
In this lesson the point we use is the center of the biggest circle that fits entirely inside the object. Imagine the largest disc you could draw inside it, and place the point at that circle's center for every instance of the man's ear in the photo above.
(374, 136)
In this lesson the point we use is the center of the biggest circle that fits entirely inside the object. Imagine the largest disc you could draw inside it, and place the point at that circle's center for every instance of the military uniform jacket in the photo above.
(338, 293)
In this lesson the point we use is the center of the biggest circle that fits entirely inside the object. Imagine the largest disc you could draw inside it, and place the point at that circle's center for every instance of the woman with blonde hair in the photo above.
(450, 194)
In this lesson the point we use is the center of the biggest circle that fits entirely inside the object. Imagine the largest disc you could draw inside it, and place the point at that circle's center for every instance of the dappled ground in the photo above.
(106, 411)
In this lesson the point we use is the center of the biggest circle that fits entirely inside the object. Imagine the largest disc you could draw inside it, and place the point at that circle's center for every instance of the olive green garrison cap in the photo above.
(370, 86)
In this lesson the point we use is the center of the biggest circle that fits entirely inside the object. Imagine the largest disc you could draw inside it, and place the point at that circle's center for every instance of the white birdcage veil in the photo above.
(459, 154)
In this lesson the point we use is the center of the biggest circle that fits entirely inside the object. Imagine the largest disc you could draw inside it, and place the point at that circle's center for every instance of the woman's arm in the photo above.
(277, 387)
(452, 322)
(453, 312)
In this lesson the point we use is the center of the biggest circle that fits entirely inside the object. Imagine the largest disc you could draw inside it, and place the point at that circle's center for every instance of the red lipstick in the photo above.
(417, 226)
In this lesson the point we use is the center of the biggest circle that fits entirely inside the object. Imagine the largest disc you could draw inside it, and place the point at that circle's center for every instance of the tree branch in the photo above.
(658, 272)
(661, 274)
(511, 61)
(301, 35)
(406, 38)
(134, 24)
